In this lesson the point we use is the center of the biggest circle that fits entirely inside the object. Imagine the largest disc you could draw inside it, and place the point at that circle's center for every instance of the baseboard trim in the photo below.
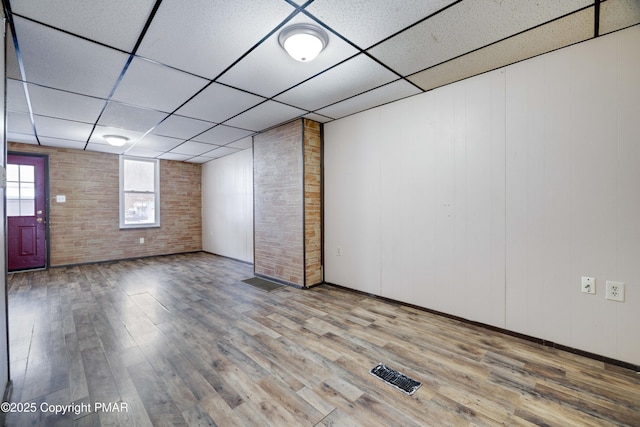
(111, 261)
(546, 343)
(228, 257)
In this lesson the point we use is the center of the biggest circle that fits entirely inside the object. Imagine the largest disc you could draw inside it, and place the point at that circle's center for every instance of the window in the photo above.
(139, 192)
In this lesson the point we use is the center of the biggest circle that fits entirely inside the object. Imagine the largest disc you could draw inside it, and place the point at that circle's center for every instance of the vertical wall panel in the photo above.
(444, 275)
(535, 196)
(485, 198)
(628, 195)
(556, 278)
(498, 198)
(227, 206)
(516, 194)
(460, 201)
(352, 202)
(407, 215)
(594, 195)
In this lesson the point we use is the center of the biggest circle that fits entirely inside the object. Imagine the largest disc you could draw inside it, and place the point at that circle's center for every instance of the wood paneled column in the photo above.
(287, 176)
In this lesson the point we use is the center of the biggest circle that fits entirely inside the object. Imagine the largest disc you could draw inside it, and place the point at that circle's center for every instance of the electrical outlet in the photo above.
(588, 285)
(142, 240)
(615, 291)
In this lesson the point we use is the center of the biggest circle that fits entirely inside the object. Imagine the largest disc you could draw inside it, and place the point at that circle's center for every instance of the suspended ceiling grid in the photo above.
(193, 80)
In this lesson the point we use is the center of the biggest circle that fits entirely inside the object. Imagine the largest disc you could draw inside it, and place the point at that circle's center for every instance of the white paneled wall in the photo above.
(227, 206)
(489, 198)
(415, 199)
(354, 210)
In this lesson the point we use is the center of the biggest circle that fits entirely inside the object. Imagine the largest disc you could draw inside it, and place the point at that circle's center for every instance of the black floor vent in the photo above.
(395, 378)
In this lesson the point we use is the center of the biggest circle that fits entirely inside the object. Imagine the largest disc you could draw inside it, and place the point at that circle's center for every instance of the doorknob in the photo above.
(39, 219)
(39, 212)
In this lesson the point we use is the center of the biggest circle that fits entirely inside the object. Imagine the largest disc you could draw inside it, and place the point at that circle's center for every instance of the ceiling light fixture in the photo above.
(116, 140)
(303, 42)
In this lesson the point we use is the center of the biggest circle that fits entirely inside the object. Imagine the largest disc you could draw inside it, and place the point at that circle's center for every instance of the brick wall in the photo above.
(287, 203)
(313, 202)
(86, 227)
(278, 204)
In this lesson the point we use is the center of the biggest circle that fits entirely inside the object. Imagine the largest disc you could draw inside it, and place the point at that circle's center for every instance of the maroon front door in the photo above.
(26, 214)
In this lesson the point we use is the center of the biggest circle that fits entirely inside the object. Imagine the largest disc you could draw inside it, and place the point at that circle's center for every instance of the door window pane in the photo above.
(27, 207)
(13, 207)
(13, 173)
(27, 173)
(21, 192)
(27, 190)
(13, 190)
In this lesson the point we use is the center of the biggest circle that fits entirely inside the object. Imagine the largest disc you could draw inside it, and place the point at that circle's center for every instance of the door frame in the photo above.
(47, 203)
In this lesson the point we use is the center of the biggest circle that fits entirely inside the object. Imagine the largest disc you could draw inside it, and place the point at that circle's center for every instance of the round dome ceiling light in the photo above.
(303, 42)
(116, 140)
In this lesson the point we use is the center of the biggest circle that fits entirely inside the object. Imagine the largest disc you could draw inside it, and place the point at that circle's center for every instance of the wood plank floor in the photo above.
(181, 341)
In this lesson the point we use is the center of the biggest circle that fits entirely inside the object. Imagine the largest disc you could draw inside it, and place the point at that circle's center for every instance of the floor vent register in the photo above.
(396, 379)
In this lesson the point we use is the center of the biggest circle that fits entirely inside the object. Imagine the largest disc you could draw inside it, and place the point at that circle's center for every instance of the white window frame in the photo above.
(156, 192)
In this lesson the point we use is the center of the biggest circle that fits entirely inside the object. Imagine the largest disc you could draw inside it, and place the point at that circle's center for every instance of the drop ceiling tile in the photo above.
(143, 152)
(117, 23)
(62, 61)
(220, 152)
(181, 127)
(221, 135)
(242, 144)
(554, 35)
(318, 118)
(373, 98)
(64, 105)
(199, 160)
(366, 22)
(466, 26)
(265, 115)
(174, 156)
(130, 118)
(217, 103)
(618, 14)
(106, 148)
(21, 137)
(12, 67)
(19, 123)
(143, 79)
(193, 148)
(214, 39)
(269, 70)
(158, 143)
(16, 100)
(64, 129)
(350, 78)
(62, 143)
